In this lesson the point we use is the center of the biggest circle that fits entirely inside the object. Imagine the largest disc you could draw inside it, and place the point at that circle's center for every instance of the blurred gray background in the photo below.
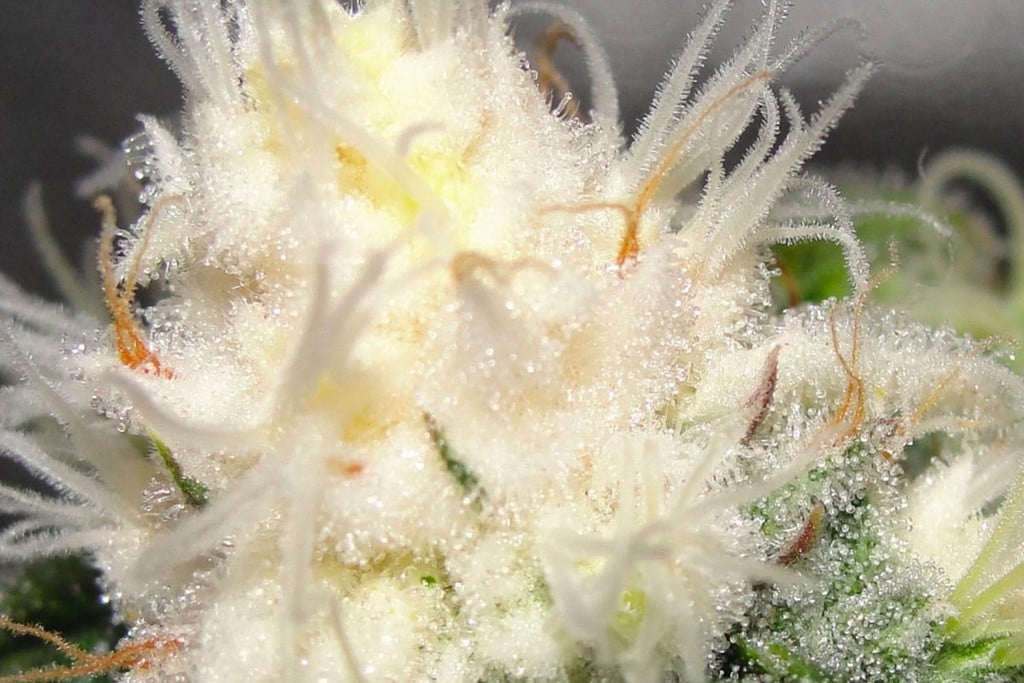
(951, 76)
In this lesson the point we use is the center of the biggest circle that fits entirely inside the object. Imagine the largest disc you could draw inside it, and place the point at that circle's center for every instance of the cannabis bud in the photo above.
(436, 378)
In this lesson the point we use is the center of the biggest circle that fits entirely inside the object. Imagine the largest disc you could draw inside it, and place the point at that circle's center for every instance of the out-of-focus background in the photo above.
(951, 76)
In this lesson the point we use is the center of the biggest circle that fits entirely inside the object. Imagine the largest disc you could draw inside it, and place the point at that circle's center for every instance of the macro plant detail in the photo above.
(405, 366)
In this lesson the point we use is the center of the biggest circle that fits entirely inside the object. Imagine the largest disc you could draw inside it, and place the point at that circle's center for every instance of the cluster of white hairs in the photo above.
(439, 381)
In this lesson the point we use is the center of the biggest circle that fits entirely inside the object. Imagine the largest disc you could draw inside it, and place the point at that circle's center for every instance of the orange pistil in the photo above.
(789, 284)
(937, 393)
(668, 161)
(851, 410)
(468, 263)
(629, 247)
(653, 184)
(352, 468)
(132, 348)
(549, 79)
(133, 654)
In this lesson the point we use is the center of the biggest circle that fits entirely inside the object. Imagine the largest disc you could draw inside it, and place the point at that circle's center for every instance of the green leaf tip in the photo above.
(195, 492)
(465, 478)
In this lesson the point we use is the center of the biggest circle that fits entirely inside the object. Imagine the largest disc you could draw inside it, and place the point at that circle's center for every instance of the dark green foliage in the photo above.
(862, 615)
(975, 662)
(814, 271)
(775, 663)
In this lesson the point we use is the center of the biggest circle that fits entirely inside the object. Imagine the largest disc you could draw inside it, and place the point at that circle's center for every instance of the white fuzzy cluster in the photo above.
(473, 393)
